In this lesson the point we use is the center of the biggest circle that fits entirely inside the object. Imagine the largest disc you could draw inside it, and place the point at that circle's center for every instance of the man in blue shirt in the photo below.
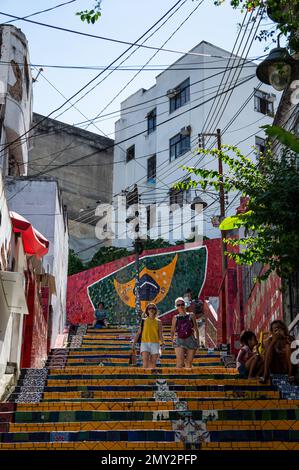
(100, 315)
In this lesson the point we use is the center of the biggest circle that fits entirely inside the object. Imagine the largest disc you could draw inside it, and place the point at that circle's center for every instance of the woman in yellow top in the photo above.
(151, 337)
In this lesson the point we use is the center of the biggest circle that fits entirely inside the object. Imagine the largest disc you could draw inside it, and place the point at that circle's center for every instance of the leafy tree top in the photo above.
(271, 235)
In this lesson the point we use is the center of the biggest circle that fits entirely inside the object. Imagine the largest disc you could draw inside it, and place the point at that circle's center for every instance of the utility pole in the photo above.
(222, 216)
(138, 247)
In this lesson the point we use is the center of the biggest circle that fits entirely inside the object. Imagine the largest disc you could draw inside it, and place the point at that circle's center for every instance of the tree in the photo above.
(272, 187)
(107, 254)
(283, 12)
(91, 16)
(75, 265)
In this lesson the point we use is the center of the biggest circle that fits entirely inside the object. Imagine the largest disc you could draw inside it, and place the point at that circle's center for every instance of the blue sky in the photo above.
(121, 19)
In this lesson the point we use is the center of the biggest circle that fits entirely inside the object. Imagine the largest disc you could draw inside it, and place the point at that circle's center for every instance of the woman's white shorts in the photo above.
(152, 348)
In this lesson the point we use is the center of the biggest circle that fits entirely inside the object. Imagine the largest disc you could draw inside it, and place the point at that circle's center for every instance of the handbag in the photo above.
(140, 335)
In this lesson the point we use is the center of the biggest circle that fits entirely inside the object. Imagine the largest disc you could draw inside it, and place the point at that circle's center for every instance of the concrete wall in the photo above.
(82, 183)
(39, 201)
(243, 130)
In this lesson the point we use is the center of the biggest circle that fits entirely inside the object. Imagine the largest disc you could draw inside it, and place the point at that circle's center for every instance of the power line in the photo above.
(141, 133)
(127, 68)
(236, 40)
(39, 12)
(111, 39)
(93, 79)
(226, 99)
(127, 127)
(151, 58)
(113, 112)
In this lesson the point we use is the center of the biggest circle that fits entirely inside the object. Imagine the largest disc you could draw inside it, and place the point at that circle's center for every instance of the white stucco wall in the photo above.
(16, 91)
(39, 202)
(241, 132)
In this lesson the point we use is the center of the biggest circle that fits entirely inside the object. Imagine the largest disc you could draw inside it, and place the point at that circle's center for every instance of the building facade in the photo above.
(82, 162)
(160, 129)
(15, 101)
(39, 200)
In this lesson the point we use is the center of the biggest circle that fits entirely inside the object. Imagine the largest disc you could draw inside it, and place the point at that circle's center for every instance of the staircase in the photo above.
(88, 398)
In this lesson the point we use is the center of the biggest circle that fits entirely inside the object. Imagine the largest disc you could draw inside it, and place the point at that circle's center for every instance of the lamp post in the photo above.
(222, 216)
(279, 69)
(138, 248)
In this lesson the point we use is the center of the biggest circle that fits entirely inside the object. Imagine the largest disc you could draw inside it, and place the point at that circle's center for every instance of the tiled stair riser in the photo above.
(209, 407)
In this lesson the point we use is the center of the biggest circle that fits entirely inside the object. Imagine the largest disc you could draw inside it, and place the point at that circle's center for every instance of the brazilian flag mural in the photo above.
(163, 278)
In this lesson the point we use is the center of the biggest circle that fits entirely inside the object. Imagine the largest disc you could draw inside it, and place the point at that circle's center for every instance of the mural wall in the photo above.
(264, 304)
(164, 275)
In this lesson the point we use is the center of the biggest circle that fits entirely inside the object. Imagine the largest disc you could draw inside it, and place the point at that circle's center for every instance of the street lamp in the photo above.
(196, 201)
(279, 69)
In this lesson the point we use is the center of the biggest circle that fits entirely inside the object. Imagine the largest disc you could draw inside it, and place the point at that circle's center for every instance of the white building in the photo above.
(159, 130)
(15, 100)
(39, 200)
(13, 304)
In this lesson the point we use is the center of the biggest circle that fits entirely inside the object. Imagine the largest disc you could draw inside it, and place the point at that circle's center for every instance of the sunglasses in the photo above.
(180, 305)
(152, 308)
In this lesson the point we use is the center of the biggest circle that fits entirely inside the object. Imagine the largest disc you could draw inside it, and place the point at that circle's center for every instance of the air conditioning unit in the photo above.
(172, 93)
(271, 97)
(186, 130)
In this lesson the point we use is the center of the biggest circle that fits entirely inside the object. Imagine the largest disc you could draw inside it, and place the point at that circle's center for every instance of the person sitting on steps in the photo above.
(278, 352)
(249, 362)
(100, 316)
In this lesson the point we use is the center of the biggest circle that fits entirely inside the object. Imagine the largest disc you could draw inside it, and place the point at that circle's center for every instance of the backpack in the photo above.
(184, 326)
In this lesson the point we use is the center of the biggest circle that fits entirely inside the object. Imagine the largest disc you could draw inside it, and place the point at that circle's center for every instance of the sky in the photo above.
(124, 20)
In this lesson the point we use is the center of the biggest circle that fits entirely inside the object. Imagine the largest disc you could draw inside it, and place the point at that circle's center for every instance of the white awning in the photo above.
(12, 286)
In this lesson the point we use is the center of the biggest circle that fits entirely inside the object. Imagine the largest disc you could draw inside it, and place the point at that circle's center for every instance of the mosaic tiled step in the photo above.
(125, 353)
(117, 363)
(73, 412)
(131, 371)
(262, 425)
(125, 435)
(149, 388)
(188, 409)
(92, 445)
(186, 396)
(89, 426)
(249, 446)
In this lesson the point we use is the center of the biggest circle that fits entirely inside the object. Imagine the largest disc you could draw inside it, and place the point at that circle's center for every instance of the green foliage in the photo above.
(75, 265)
(284, 137)
(151, 244)
(271, 224)
(91, 16)
(110, 253)
(285, 13)
(107, 254)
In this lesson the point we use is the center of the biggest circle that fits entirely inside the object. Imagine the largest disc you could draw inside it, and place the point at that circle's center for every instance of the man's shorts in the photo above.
(152, 348)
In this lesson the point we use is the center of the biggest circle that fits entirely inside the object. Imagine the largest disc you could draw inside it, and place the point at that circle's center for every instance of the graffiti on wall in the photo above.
(163, 277)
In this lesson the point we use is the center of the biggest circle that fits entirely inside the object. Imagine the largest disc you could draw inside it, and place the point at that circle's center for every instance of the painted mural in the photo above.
(163, 277)
(165, 274)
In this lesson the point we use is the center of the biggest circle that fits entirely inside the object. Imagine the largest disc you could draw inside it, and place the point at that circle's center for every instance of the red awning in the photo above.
(33, 241)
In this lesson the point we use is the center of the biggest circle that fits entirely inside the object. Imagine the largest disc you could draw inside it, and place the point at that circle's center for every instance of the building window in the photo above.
(263, 102)
(151, 121)
(179, 95)
(132, 197)
(151, 169)
(180, 196)
(130, 153)
(178, 145)
(260, 145)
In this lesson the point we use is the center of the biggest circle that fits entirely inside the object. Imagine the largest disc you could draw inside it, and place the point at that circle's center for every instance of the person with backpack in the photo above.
(185, 328)
(150, 336)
